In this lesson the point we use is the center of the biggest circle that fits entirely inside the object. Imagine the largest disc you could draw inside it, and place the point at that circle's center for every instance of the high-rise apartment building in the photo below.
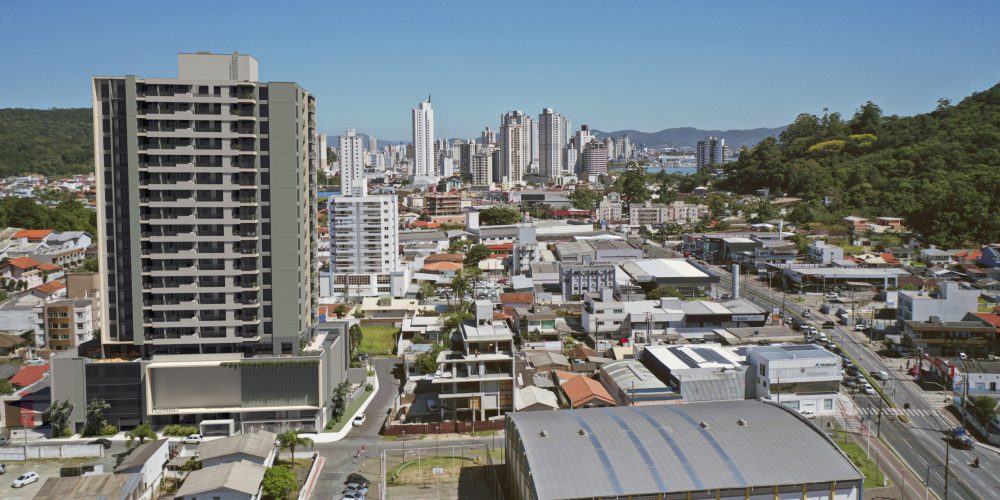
(352, 165)
(551, 139)
(489, 136)
(466, 151)
(364, 247)
(711, 151)
(206, 210)
(424, 164)
(372, 144)
(595, 159)
(515, 146)
(481, 168)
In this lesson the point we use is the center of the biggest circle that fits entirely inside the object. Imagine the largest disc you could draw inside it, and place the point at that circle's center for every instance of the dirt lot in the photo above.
(45, 469)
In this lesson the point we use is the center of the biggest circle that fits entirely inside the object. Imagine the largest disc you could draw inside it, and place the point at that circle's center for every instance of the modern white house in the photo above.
(805, 378)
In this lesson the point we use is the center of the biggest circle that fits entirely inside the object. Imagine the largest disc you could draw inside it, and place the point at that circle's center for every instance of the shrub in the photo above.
(279, 481)
(180, 430)
(107, 430)
(369, 387)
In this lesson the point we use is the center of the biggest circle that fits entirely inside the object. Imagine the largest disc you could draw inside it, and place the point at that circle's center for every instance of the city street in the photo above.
(921, 443)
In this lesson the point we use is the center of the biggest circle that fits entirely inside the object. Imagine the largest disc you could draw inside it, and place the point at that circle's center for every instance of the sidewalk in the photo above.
(333, 437)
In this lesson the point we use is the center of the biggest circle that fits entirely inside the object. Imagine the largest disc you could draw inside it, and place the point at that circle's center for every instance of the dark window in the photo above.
(263, 110)
(263, 93)
(264, 127)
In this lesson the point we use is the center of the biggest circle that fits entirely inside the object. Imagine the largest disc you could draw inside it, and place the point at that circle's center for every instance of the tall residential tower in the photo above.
(206, 210)
(424, 167)
(352, 165)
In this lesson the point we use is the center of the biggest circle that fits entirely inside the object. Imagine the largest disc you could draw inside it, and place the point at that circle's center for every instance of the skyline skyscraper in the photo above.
(551, 139)
(710, 151)
(424, 166)
(515, 146)
(207, 210)
(352, 165)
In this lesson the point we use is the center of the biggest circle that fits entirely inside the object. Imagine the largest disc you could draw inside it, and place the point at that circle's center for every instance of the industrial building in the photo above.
(722, 450)
(699, 372)
(685, 276)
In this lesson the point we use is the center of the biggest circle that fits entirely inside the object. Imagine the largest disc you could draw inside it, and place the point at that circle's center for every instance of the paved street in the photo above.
(921, 444)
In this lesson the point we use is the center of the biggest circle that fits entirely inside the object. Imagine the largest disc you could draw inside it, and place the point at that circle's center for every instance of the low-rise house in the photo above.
(533, 398)
(545, 361)
(975, 339)
(235, 480)
(256, 447)
(534, 319)
(584, 392)
(49, 291)
(94, 486)
(148, 460)
(517, 299)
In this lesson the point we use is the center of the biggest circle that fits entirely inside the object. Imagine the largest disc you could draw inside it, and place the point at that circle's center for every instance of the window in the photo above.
(828, 404)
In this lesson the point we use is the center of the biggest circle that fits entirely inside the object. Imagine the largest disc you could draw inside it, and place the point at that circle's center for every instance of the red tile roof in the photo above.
(50, 287)
(29, 375)
(581, 390)
(33, 234)
(990, 318)
(443, 266)
(517, 298)
(509, 247)
(444, 257)
(24, 263)
(49, 267)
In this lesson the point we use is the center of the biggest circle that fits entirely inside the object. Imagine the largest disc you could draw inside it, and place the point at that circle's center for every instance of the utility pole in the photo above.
(947, 457)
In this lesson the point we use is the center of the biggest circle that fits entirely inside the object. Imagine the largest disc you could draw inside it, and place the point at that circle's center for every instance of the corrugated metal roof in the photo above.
(665, 449)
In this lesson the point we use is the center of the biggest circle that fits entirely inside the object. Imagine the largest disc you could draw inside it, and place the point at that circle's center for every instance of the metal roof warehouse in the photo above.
(725, 449)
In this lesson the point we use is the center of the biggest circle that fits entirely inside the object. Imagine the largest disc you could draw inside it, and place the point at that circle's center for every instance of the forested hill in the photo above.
(939, 170)
(46, 141)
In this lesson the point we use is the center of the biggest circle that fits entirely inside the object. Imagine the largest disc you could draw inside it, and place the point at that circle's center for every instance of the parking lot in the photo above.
(45, 469)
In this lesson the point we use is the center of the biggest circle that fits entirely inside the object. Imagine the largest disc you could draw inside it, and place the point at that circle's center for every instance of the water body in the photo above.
(672, 170)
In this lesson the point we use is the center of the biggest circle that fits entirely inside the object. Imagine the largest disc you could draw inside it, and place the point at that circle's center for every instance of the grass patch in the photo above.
(349, 412)
(483, 433)
(422, 471)
(873, 476)
(497, 454)
(378, 340)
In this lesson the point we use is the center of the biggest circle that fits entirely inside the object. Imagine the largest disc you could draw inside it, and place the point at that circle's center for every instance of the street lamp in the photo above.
(927, 479)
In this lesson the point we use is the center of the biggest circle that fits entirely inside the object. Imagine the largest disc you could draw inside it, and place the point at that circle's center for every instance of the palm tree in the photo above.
(290, 439)
(142, 432)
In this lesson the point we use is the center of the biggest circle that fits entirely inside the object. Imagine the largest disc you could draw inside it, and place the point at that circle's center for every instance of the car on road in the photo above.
(868, 389)
(807, 413)
(807, 313)
(831, 296)
(192, 439)
(881, 375)
(359, 420)
(25, 479)
(357, 488)
(105, 442)
(828, 324)
(3, 468)
(850, 383)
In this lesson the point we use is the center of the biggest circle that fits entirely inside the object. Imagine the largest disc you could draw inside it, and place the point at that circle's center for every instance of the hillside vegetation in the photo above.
(939, 170)
(46, 141)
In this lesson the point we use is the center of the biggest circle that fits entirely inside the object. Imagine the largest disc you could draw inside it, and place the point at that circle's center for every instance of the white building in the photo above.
(802, 377)
(515, 146)
(352, 165)
(951, 303)
(481, 169)
(604, 316)
(822, 253)
(551, 139)
(364, 247)
(424, 167)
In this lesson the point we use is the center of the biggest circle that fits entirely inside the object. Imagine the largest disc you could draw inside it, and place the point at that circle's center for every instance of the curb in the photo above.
(332, 437)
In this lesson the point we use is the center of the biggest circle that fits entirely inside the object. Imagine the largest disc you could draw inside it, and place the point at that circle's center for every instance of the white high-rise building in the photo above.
(323, 161)
(489, 136)
(583, 137)
(424, 167)
(551, 127)
(352, 165)
(711, 151)
(364, 247)
(515, 146)
(481, 169)
(372, 144)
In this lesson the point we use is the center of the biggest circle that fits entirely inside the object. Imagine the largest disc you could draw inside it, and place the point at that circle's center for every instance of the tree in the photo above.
(94, 421)
(91, 265)
(427, 290)
(58, 416)
(279, 482)
(477, 253)
(355, 335)
(291, 439)
(338, 403)
(663, 291)
(142, 432)
(497, 216)
(984, 408)
(6, 387)
(584, 198)
(633, 184)
(340, 310)
(473, 275)
(459, 286)
(455, 246)
(427, 361)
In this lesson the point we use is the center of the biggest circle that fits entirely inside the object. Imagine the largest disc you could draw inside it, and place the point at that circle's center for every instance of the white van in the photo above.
(881, 375)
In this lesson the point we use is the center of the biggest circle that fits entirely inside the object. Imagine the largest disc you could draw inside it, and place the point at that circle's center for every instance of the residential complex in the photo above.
(364, 238)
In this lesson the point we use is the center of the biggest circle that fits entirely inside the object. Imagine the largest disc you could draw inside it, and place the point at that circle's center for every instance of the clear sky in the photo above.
(644, 65)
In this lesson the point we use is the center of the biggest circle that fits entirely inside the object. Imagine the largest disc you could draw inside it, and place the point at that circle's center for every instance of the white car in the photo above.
(192, 439)
(359, 420)
(807, 413)
(868, 389)
(831, 296)
(25, 479)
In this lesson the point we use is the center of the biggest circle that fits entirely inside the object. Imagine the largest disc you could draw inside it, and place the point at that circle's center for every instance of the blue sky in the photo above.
(645, 65)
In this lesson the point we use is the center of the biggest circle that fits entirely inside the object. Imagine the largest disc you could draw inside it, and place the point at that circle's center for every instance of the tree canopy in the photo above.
(938, 170)
(56, 142)
(497, 216)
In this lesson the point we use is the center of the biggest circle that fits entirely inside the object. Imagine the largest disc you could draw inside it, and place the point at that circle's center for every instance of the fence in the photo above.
(444, 471)
(446, 427)
(18, 453)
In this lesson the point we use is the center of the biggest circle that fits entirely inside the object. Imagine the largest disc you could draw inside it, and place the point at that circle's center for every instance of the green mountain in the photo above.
(46, 141)
(938, 170)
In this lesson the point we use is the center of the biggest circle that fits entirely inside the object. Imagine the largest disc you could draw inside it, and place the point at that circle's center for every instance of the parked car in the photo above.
(868, 389)
(4, 441)
(193, 439)
(828, 324)
(105, 442)
(25, 479)
(3, 468)
(831, 296)
(356, 488)
(353, 496)
(850, 383)
(359, 420)
(807, 413)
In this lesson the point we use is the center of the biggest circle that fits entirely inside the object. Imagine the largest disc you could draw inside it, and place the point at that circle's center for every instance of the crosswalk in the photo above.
(911, 412)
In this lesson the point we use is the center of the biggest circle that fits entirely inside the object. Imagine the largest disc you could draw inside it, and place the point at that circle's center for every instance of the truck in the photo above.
(960, 438)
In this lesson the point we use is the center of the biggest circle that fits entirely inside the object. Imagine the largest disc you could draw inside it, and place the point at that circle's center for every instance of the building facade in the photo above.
(364, 247)
(515, 146)
(424, 164)
(206, 209)
(551, 139)
(352, 165)
(710, 151)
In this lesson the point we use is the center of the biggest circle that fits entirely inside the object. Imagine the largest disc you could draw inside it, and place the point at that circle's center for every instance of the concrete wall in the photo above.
(17, 453)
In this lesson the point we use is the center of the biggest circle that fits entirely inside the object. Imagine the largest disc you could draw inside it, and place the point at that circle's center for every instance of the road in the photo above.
(921, 444)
